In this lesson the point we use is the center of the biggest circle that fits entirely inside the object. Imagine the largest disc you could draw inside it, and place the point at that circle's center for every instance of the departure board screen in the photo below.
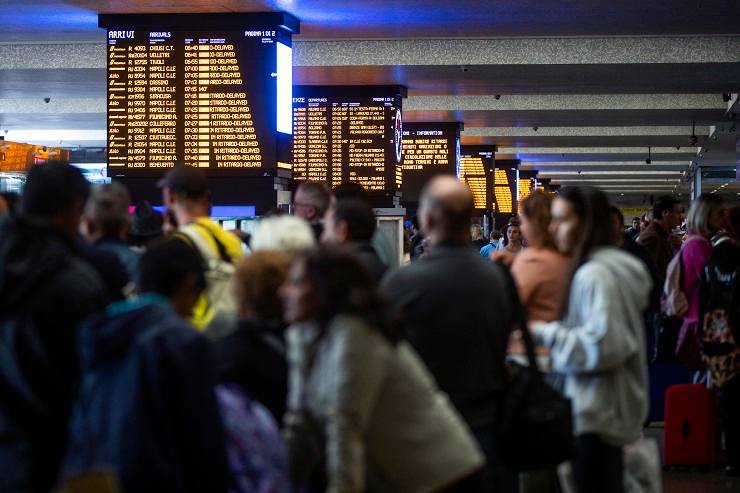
(429, 149)
(476, 169)
(343, 134)
(506, 186)
(205, 98)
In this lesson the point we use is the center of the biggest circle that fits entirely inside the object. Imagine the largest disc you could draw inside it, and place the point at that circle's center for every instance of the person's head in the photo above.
(258, 278)
(646, 219)
(311, 201)
(415, 224)
(56, 193)
(495, 235)
(175, 270)
(286, 234)
(618, 224)
(146, 225)
(445, 209)
(581, 221)
(635, 223)
(349, 221)
(513, 233)
(329, 281)
(186, 193)
(667, 211)
(706, 215)
(535, 220)
(350, 190)
(106, 212)
(476, 232)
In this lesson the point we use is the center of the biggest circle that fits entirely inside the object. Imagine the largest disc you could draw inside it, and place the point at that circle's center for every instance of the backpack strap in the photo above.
(199, 243)
(219, 246)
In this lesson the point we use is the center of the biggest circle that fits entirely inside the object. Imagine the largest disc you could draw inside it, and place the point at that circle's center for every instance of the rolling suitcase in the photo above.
(690, 432)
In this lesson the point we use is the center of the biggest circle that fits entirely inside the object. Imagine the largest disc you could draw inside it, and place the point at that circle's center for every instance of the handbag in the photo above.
(534, 422)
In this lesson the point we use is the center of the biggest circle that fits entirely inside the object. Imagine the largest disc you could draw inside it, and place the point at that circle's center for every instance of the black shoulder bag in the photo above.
(534, 425)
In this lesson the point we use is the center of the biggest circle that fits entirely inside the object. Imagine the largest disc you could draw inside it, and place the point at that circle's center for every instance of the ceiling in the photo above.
(583, 85)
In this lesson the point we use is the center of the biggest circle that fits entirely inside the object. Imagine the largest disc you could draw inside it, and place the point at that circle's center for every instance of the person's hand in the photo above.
(502, 257)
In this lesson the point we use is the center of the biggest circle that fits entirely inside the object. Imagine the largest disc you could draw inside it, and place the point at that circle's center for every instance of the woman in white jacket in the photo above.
(385, 425)
(599, 345)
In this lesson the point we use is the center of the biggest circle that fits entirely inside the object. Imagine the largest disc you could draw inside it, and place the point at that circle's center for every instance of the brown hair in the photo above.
(258, 277)
(536, 208)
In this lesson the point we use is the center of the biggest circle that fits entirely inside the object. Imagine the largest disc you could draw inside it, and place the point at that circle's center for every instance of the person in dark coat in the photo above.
(667, 214)
(106, 223)
(454, 305)
(46, 289)
(351, 222)
(146, 414)
(253, 355)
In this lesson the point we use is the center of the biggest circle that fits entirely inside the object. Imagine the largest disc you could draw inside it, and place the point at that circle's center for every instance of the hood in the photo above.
(108, 336)
(632, 276)
(30, 252)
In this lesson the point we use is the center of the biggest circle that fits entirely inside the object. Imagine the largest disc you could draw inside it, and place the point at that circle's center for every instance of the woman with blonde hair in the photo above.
(703, 220)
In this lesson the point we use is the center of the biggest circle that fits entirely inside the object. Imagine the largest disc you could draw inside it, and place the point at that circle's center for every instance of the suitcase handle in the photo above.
(685, 429)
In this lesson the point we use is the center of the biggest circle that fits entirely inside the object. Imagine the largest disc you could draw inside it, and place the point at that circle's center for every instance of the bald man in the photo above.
(456, 308)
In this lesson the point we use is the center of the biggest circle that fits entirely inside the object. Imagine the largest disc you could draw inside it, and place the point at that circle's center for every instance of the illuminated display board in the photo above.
(505, 186)
(525, 185)
(477, 170)
(429, 149)
(211, 91)
(348, 133)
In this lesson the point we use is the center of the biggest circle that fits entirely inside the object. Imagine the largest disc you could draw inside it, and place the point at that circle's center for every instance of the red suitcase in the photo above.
(690, 432)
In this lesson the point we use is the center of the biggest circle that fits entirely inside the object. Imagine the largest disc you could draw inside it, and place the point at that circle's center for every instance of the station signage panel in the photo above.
(211, 91)
(477, 171)
(505, 188)
(348, 134)
(429, 149)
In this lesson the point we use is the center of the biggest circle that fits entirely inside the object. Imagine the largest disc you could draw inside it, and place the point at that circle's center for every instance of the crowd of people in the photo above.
(159, 352)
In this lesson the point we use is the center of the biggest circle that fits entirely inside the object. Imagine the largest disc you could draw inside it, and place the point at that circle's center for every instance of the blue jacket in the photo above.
(146, 407)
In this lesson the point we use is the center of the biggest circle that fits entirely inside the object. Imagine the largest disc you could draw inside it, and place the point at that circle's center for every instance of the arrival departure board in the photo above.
(205, 97)
(429, 149)
(348, 134)
(477, 170)
(506, 186)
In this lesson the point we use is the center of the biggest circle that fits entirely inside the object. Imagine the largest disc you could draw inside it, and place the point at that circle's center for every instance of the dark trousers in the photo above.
(597, 467)
(729, 419)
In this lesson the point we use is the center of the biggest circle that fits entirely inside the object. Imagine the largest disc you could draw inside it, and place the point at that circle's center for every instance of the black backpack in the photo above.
(720, 314)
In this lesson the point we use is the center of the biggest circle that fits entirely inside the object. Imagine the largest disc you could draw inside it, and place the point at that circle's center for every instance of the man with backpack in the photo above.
(46, 289)
(185, 192)
(720, 333)
(146, 417)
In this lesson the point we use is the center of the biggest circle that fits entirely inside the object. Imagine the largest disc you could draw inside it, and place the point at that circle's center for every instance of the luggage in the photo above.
(690, 432)
(661, 377)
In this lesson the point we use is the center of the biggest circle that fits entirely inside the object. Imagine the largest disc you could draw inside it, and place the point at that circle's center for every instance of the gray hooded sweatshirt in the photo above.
(600, 346)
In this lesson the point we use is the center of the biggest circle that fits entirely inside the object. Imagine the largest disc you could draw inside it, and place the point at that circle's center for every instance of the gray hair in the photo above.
(318, 194)
(700, 211)
(107, 207)
(286, 234)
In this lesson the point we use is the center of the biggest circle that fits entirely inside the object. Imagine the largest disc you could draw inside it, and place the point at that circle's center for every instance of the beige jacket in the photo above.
(387, 426)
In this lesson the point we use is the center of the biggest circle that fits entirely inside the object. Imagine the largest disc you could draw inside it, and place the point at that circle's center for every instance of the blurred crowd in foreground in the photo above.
(159, 352)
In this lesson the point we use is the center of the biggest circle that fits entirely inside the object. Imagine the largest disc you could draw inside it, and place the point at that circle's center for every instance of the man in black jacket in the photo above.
(351, 222)
(46, 289)
(455, 306)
